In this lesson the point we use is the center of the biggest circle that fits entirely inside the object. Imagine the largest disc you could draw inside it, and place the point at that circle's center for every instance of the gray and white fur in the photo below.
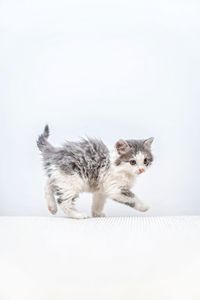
(89, 166)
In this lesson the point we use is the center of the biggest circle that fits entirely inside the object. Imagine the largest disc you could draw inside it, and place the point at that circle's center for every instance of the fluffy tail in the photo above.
(42, 142)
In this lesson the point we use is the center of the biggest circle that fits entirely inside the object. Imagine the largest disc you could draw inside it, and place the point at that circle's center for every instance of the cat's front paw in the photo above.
(98, 215)
(141, 207)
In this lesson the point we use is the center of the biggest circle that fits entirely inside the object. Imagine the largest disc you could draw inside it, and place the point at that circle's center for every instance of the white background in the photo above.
(110, 69)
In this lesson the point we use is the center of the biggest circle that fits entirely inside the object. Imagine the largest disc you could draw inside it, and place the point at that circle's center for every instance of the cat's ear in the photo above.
(122, 147)
(148, 142)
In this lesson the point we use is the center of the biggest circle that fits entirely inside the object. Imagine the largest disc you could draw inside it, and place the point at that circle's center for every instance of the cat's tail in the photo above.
(42, 142)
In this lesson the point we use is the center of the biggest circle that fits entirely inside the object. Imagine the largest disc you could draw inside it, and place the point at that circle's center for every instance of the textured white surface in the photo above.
(110, 258)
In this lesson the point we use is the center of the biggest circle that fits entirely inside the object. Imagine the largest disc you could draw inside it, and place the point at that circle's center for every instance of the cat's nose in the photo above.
(140, 170)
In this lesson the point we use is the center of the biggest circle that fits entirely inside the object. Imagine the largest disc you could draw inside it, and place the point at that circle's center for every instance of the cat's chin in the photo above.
(138, 173)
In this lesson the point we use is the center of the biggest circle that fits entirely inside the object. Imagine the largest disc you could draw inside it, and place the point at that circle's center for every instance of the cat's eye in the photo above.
(133, 162)
(146, 161)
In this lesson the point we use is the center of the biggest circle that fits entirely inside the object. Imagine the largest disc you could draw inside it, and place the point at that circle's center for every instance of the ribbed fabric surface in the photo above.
(150, 258)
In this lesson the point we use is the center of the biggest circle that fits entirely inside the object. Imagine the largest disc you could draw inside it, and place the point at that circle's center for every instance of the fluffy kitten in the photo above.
(88, 166)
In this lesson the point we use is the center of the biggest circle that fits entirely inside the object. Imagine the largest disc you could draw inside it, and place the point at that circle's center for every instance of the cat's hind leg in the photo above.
(67, 189)
(49, 196)
(98, 203)
(66, 200)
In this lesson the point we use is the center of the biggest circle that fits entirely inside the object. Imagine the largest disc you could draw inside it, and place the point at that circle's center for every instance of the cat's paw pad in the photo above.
(98, 215)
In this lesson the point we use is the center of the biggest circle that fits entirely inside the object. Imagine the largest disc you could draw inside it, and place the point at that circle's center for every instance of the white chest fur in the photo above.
(117, 177)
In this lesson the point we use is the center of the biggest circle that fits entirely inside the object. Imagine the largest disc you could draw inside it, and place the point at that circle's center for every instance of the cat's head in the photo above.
(134, 155)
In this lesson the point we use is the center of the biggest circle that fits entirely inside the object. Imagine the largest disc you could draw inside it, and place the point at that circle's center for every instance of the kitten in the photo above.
(88, 166)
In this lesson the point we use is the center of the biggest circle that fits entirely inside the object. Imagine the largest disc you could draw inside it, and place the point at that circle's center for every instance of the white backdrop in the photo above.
(110, 69)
